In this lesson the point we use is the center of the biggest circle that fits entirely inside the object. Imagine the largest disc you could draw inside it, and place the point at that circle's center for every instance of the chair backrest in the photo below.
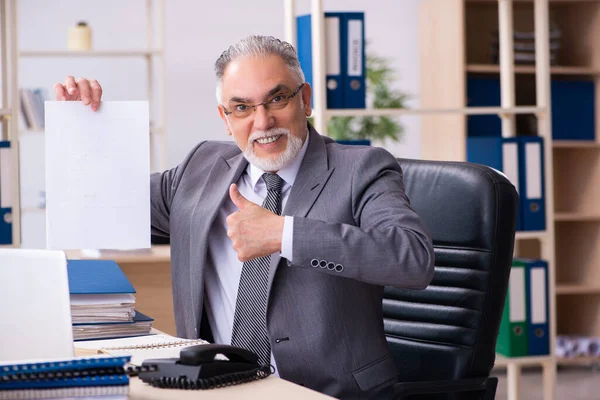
(449, 330)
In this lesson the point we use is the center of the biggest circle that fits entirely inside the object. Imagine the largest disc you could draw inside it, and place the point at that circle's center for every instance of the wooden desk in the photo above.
(268, 388)
(150, 274)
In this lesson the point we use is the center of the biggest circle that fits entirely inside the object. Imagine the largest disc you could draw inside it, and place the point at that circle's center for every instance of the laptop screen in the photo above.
(35, 311)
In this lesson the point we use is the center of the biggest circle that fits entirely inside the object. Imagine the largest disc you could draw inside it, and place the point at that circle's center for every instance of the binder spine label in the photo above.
(538, 296)
(517, 295)
(533, 170)
(332, 46)
(355, 48)
(510, 163)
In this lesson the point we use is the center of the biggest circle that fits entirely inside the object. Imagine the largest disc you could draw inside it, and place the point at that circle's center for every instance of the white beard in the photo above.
(273, 164)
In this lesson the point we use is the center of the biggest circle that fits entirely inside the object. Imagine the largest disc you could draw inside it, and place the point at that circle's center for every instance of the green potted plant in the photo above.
(361, 130)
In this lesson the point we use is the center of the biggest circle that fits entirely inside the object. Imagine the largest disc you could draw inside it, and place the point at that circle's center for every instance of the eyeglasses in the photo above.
(275, 102)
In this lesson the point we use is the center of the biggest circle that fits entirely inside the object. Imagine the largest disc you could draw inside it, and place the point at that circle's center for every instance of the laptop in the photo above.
(35, 307)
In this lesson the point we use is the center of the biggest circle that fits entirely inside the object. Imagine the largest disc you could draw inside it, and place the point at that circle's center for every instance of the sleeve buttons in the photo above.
(314, 262)
(339, 268)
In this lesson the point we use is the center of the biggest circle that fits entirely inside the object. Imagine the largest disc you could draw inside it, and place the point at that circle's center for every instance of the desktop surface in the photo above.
(268, 388)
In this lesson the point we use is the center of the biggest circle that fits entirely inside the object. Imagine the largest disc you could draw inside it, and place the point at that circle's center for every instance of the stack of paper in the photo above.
(103, 301)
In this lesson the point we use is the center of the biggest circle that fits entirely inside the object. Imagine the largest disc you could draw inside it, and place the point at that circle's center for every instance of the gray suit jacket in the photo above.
(354, 232)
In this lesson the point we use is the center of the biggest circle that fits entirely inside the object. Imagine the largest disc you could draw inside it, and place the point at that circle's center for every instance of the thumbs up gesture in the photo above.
(253, 230)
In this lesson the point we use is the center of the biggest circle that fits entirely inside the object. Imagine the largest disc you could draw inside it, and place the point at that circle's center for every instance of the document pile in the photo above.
(578, 346)
(103, 302)
(524, 47)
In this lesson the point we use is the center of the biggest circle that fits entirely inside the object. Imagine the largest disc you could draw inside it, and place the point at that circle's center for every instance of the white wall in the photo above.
(196, 34)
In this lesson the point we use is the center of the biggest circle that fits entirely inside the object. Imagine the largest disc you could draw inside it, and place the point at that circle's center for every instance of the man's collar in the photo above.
(288, 173)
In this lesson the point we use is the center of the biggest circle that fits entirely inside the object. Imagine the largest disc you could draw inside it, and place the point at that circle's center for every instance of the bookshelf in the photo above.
(572, 239)
(450, 40)
(9, 109)
(146, 55)
(462, 45)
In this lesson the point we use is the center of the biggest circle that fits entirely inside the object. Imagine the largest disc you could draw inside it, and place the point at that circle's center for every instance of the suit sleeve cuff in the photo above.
(287, 239)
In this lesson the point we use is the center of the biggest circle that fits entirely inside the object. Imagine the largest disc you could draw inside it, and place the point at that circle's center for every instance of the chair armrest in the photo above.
(449, 386)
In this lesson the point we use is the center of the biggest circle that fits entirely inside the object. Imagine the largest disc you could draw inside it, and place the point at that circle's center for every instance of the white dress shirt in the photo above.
(222, 277)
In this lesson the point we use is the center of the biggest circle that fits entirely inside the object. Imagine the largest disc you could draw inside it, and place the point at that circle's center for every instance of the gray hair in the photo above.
(257, 45)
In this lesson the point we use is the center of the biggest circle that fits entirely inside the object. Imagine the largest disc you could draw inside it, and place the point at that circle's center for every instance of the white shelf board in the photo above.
(380, 112)
(574, 289)
(91, 53)
(5, 111)
(158, 253)
(576, 216)
(524, 235)
(29, 210)
(502, 361)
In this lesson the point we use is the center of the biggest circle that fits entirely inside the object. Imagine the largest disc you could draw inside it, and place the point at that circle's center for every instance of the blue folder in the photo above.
(345, 73)
(483, 92)
(354, 77)
(537, 307)
(573, 109)
(334, 49)
(5, 225)
(532, 193)
(97, 277)
(501, 154)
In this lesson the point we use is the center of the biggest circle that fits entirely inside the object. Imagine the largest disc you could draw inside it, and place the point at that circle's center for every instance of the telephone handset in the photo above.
(198, 368)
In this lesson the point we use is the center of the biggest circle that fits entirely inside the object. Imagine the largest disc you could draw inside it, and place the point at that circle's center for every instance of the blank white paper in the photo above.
(97, 175)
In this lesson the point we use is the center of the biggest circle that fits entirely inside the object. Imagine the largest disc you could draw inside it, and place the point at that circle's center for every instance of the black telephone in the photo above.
(197, 368)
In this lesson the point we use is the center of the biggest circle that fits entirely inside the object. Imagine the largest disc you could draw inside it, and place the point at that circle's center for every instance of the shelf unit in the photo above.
(461, 44)
(9, 107)
(444, 66)
(154, 60)
(575, 166)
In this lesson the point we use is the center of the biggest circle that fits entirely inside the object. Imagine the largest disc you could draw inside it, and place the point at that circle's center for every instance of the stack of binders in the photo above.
(345, 60)
(521, 159)
(524, 326)
(103, 302)
(95, 376)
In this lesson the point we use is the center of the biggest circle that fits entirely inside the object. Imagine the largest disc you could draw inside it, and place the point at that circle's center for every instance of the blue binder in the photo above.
(5, 226)
(537, 307)
(354, 77)
(483, 92)
(334, 62)
(501, 154)
(532, 193)
(5, 175)
(573, 109)
(97, 277)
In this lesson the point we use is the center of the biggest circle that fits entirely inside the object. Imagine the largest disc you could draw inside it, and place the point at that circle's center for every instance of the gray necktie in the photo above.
(250, 319)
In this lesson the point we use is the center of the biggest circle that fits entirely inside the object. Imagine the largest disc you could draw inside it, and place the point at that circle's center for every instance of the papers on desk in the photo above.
(141, 348)
(97, 175)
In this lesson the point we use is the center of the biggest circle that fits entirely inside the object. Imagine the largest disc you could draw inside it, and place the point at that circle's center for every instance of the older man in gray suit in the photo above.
(282, 241)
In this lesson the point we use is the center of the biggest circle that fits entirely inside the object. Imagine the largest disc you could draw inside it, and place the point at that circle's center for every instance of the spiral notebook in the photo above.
(89, 376)
(142, 347)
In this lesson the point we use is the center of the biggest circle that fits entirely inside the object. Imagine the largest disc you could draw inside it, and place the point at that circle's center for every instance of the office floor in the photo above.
(574, 383)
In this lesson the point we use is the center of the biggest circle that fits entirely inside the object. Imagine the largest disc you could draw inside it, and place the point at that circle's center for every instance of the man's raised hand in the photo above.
(89, 92)
(254, 231)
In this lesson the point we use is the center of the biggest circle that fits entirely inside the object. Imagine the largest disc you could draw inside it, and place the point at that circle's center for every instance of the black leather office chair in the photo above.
(443, 338)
